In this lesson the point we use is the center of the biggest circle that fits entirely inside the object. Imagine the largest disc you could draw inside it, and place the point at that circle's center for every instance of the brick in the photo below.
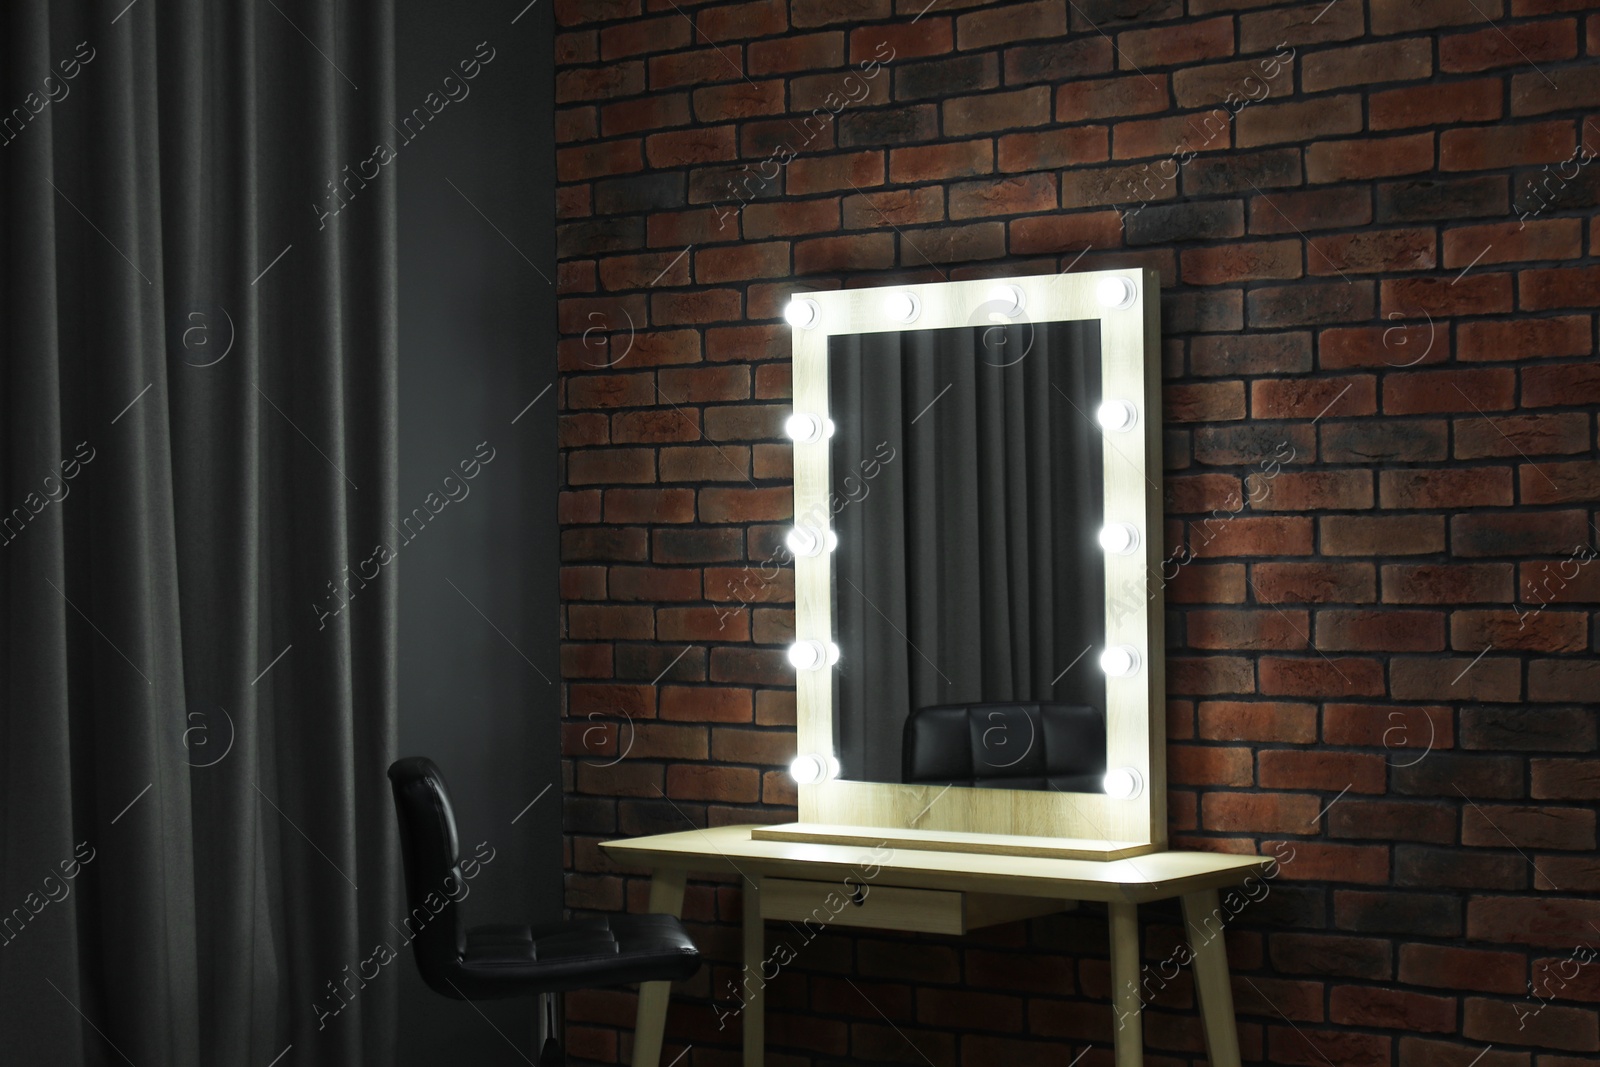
(1321, 677)
(791, 217)
(1528, 729)
(1393, 1008)
(1315, 209)
(890, 126)
(1313, 583)
(1310, 491)
(1371, 251)
(747, 260)
(1059, 232)
(828, 174)
(1012, 22)
(1311, 304)
(1250, 354)
(1288, 723)
(1296, 26)
(1243, 629)
(1446, 967)
(1210, 676)
(1315, 862)
(1176, 137)
(1579, 88)
(800, 53)
(599, 83)
(1382, 820)
(1389, 440)
(1264, 124)
(1509, 46)
(1200, 583)
(1017, 195)
(941, 161)
(1562, 681)
(1548, 1026)
(1186, 222)
(894, 208)
(1210, 765)
(953, 244)
(1494, 147)
(1335, 68)
(1402, 730)
(1420, 392)
(1457, 583)
(1322, 954)
(1435, 105)
(1492, 679)
(591, 161)
(1310, 398)
(1551, 922)
(1287, 768)
(1548, 631)
(930, 36)
(1433, 298)
(1380, 631)
(1235, 262)
(1404, 344)
(696, 545)
(649, 506)
(1205, 402)
(1465, 488)
(1170, 46)
(1238, 171)
(1274, 813)
(1567, 335)
(1565, 779)
(1564, 385)
(693, 68)
(829, 96)
(1052, 149)
(938, 78)
(1551, 533)
(1365, 158)
(1059, 61)
(1387, 535)
(966, 116)
(1450, 199)
(1433, 868)
(1094, 186)
(1510, 243)
(1099, 98)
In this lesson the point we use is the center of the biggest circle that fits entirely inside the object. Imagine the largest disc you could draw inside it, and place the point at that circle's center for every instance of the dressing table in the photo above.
(979, 647)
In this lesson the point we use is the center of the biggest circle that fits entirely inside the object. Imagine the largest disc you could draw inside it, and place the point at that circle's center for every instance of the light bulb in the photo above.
(1008, 300)
(1116, 292)
(902, 306)
(1120, 538)
(1118, 415)
(1123, 783)
(1120, 661)
(813, 655)
(803, 314)
(809, 768)
(807, 541)
(803, 427)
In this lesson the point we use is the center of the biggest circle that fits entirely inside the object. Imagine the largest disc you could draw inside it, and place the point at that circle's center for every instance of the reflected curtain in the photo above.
(197, 435)
(968, 567)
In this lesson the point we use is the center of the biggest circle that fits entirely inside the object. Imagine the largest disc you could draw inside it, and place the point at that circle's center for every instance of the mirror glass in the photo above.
(967, 476)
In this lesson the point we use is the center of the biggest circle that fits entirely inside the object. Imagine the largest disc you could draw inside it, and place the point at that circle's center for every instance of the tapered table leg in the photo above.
(649, 1028)
(1211, 984)
(755, 1002)
(1125, 999)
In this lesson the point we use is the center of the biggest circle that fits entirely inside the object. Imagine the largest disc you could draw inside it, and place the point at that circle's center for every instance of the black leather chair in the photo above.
(1006, 745)
(487, 962)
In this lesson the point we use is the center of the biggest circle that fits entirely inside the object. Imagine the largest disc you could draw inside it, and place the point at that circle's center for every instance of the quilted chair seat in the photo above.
(1009, 745)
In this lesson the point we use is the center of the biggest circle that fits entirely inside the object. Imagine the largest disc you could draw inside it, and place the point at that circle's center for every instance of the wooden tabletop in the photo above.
(1156, 876)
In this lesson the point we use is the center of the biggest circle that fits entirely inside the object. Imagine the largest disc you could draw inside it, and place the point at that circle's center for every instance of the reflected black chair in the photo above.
(1006, 745)
(488, 962)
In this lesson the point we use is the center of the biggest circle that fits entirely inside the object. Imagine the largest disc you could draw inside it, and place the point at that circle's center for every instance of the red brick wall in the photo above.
(1379, 286)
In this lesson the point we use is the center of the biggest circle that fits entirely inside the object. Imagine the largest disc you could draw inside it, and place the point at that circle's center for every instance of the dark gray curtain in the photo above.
(197, 435)
(968, 566)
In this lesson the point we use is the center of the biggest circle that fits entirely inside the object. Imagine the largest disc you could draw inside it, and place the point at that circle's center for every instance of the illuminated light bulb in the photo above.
(902, 306)
(1008, 300)
(806, 541)
(803, 427)
(1123, 783)
(809, 768)
(1118, 415)
(1116, 292)
(1120, 661)
(813, 655)
(803, 314)
(1120, 538)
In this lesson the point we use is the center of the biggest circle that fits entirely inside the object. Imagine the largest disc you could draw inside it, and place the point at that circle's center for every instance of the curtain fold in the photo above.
(197, 445)
(968, 567)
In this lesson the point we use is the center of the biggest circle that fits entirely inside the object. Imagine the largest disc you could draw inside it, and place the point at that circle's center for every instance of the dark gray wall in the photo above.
(479, 603)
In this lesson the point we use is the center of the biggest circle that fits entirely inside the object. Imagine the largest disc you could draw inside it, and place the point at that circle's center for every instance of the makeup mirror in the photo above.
(977, 528)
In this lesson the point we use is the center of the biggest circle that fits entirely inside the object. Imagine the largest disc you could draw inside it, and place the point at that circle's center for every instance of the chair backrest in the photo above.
(434, 883)
(1006, 745)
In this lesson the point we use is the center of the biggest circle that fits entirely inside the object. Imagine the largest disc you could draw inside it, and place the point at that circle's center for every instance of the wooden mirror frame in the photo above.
(1096, 824)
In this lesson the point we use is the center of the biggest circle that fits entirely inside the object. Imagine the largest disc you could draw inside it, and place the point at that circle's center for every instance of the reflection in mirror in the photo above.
(968, 487)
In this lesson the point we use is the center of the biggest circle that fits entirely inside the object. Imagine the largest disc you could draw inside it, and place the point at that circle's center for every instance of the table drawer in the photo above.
(889, 907)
